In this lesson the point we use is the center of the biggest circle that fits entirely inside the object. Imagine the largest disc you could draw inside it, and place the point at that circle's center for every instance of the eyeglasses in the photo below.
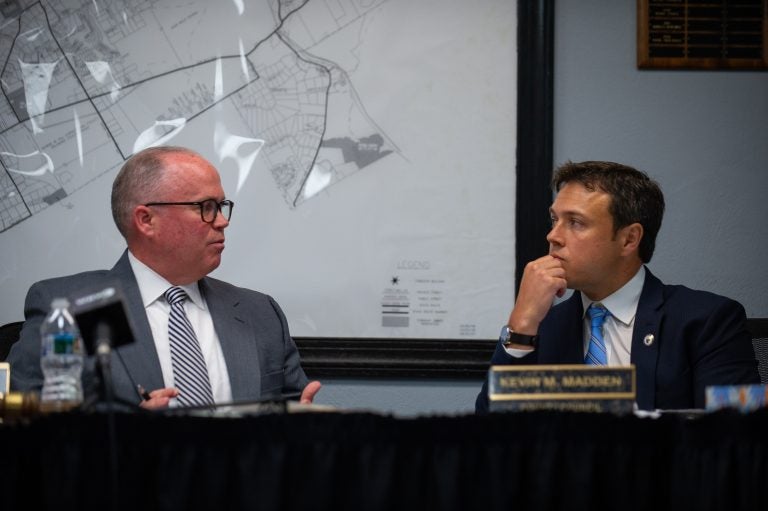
(209, 208)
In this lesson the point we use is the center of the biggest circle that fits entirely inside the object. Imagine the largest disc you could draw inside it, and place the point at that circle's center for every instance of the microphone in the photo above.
(104, 324)
(102, 318)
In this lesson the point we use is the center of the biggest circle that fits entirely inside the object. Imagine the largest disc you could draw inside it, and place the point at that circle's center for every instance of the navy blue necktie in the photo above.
(596, 353)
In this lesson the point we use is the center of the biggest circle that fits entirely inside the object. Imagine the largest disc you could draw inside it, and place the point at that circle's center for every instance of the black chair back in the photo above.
(758, 327)
(9, 334)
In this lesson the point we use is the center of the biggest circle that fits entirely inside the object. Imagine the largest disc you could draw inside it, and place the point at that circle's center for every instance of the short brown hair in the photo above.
(635, 197)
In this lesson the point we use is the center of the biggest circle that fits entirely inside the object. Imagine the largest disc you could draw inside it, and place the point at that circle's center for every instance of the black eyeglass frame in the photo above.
(226, 202)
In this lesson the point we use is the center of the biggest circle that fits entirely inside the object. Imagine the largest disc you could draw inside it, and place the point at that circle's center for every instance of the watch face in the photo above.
(505, 334)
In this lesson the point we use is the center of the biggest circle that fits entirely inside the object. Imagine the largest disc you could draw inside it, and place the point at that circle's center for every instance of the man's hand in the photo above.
(308, 394)
(543, 280)
(159, 398)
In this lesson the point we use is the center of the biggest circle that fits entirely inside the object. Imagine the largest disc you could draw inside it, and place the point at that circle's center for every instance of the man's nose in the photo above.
(221, 221)
(553, 237)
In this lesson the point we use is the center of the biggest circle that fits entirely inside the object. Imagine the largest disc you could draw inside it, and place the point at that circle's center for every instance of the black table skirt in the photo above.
(364, 461)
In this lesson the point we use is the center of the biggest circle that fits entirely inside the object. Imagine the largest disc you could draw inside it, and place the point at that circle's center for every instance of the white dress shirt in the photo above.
(618, 326)
(152, 287)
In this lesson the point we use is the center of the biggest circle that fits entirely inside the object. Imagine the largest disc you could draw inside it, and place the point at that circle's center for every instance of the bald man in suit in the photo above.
(169, 205)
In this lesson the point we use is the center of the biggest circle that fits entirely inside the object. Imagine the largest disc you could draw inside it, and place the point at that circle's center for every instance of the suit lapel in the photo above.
(235, 336)
(140, 358)
(574, 331)
(563, 337)
(646, 338)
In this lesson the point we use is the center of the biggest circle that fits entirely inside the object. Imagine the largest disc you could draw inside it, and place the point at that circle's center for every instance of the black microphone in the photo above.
(101, 316)
(104, 325)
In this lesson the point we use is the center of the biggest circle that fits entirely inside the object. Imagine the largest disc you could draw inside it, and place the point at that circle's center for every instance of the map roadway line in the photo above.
(89, 98)
(289, 44)
(80, 82)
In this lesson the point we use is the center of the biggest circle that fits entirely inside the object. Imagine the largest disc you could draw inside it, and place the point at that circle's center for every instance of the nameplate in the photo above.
(575, 388)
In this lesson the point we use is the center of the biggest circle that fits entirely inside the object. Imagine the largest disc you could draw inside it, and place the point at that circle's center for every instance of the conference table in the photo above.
(314, 458)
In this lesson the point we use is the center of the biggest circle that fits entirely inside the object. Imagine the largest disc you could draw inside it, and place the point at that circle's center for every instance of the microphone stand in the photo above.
(103, 357)
(103, 352)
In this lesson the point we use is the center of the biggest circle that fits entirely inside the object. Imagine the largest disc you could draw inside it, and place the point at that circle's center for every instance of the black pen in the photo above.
(143, 393)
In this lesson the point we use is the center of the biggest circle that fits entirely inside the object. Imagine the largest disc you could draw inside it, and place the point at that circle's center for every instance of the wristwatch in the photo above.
(507, 337)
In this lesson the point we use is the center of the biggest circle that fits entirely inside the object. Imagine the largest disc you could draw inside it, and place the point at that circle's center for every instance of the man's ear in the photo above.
(631, 236)
(143, 220)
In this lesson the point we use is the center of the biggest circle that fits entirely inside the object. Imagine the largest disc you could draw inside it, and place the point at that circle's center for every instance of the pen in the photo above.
(143, 393)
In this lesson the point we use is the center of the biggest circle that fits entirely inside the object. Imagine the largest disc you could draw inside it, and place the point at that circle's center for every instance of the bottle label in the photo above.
(63, 343)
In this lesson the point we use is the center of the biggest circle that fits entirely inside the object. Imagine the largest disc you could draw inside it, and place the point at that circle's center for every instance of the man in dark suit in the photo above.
(169, 205)
(605, 219)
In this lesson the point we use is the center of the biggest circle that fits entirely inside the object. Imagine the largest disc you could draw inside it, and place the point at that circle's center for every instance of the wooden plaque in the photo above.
(702, 34)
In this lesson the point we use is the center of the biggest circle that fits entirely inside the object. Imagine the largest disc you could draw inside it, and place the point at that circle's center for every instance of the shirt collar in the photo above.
(622, 304)
(152, 286)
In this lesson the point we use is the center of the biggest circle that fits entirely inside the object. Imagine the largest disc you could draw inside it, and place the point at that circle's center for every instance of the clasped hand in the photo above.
(543, 280)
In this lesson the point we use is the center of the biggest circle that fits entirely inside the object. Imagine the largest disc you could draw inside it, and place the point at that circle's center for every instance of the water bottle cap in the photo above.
(59, 303)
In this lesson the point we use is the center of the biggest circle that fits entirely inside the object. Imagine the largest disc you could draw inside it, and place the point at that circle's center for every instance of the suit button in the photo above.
(648, 340)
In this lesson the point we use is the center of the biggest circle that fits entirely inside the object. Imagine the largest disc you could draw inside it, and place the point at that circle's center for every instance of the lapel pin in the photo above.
(648, 339)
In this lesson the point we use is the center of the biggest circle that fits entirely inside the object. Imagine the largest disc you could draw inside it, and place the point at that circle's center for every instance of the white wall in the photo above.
(702, 134)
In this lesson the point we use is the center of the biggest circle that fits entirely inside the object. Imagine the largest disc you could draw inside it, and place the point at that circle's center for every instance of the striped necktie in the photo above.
(190, 375)
(596, 354)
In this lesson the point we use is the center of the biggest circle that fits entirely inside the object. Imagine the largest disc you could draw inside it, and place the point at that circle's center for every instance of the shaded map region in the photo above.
(363, 152)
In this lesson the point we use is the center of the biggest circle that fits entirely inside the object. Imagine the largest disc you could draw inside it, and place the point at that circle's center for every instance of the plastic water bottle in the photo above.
(61, 358)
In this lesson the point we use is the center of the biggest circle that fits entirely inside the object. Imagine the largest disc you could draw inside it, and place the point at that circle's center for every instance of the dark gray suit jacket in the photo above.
(262, 359)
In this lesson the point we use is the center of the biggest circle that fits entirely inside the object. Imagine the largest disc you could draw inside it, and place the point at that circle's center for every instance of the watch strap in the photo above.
(509, 337)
